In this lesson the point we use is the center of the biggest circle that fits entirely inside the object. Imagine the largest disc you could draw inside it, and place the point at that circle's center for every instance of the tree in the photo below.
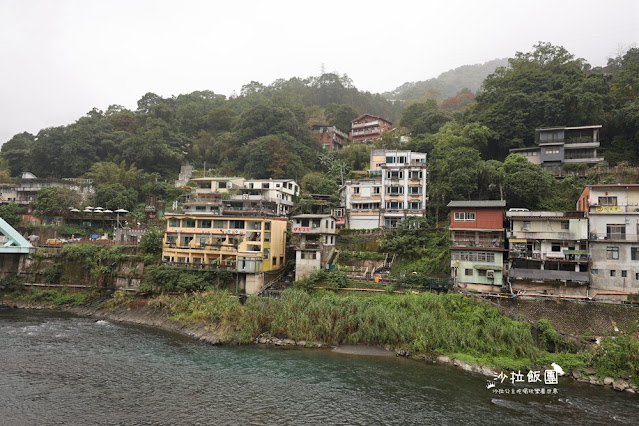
(424, 118)
(545, 87)
(525, 183)
(54, 200)
(340, 115)
(115, 196)
(17, 151)
(11, 213)
(107, 172)
(408, 240)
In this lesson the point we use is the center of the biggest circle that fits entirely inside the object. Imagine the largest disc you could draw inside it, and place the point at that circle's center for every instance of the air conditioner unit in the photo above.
(490, 274)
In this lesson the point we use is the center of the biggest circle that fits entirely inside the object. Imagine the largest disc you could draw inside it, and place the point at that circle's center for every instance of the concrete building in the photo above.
(396, 189)
(368, 128)
(613, 215)
(236, 195)
(314, 238)
(558, 146)
(249, 246)
(332, 138)
(23, 192)
(477, 245)
(548, 253)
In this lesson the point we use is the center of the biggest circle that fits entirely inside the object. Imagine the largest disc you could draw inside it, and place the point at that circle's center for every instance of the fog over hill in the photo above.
(448, 83)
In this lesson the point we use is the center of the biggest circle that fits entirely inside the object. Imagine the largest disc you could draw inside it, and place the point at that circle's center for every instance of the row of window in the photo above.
(613, 273)
(612, 253)
(473, 256)
(470, 272)
(464, 216)
(217, 224)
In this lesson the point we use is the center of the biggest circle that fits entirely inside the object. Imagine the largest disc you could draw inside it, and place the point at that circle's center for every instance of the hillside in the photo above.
(448, 83)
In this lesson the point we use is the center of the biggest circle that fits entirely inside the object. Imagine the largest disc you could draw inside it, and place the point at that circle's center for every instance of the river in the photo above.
(61, 369)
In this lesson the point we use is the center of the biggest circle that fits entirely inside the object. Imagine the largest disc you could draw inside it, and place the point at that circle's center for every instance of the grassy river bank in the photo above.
(448, 328)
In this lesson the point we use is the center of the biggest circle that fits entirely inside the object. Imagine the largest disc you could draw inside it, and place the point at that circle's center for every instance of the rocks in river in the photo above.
(443, 359)
(619, 385)
(608, 380)
(576, 373)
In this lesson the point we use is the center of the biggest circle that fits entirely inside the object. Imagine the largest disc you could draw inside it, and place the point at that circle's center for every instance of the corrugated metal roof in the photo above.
(478, 203)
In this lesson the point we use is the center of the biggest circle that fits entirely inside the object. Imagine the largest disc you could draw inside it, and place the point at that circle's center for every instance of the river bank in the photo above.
(222, 333)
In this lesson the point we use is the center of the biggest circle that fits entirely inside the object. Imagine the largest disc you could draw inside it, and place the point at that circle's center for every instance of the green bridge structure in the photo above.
(15, 243)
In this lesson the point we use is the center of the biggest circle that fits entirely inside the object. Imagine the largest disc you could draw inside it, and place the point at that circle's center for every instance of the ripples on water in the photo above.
(67, 370)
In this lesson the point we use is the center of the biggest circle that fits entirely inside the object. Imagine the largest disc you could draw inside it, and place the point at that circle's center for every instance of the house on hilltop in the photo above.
(368, 128)
(559, 146)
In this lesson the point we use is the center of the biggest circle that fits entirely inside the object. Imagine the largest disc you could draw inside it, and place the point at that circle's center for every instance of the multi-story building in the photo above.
(367, 128)
(396, 189)
(332, 138)
(477, 245)
(236, 195)
(249, 246)
(548, 252)
(557, 146)
(314, 237)
(613, 216)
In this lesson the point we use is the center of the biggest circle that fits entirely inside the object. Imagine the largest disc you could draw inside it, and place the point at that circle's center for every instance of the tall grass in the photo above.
(426, 323)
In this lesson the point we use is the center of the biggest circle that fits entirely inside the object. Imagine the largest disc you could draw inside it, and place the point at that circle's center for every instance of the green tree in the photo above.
(340, 115)
(17, 151)
(525, 183)
(545, 87)
(107, 172)
(115, 196)
(11, 213)
(54, 200)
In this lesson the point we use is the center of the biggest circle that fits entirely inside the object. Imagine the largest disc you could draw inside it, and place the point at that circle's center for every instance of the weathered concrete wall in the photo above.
(576, 318)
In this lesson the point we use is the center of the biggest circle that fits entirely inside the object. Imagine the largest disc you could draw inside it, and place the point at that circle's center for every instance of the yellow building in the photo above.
(247, 245)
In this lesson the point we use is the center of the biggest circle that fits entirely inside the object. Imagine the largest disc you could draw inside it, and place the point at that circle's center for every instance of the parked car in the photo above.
(54, 241)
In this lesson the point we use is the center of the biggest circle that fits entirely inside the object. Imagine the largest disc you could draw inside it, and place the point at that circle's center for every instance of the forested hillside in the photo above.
(265, 132)
(448, 84)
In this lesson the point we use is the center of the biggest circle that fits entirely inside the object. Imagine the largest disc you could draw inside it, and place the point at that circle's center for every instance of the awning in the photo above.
(489, 267)
(517, 240)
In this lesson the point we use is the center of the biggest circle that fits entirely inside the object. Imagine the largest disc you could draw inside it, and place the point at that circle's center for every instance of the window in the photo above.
(634, 253)
(468, 272)
(281, 260)
(565, 224)
(556, 247)
(267, 225)
(552, 151)
(414, 175)
(607, 201)
(188, 223)
(274, 260)
(636, 275)
(205, 224)
(615, 232)
(394, 205)
(236, 224)
(394, 190)
(173, 223)
(414, 190)
(356, 190)
(219, 224)
(464, 216)
(221, 185)
(594, 271)
(613, 273)
(612, 253)
(394, 174)
(525, 226)
(624, 274)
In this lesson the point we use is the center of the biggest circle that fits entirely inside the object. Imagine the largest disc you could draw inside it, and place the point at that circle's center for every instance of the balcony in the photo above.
(540, 274)
(565, 255)
(308, 246)
(367, 124)
(613, 236)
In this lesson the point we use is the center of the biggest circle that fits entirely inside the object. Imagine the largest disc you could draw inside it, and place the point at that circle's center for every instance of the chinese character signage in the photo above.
(608, 209)
(302, 229)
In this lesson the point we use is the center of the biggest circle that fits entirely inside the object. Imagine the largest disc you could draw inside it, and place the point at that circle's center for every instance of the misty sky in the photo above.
(62, 58)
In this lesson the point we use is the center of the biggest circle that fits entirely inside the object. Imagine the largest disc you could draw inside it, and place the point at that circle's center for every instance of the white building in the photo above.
(395, 189)
(613, 215)
(314, 238)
